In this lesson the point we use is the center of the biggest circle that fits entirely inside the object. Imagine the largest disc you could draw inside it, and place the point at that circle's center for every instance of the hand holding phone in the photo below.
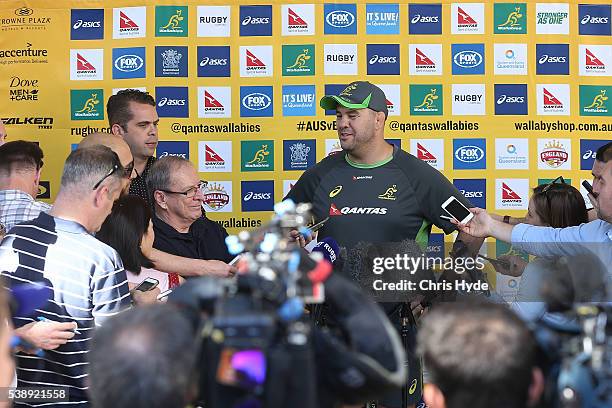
(164, 294)
(457, 210)
(318, 225)
(147, 285)
(588, 187)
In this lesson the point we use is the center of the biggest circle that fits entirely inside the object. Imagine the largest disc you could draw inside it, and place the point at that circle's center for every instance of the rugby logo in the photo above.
(256, 101)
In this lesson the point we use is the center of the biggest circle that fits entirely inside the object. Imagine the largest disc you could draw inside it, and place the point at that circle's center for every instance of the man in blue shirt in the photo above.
(594, 237)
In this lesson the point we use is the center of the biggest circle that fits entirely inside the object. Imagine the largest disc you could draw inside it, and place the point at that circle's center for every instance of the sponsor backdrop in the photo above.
(496, 95)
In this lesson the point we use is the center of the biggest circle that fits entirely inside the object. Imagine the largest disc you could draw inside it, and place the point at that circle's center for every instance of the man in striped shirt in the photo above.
(86, 276)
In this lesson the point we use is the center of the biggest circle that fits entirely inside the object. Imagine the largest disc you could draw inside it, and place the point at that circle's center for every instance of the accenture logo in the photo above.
(86, 24)
(256, 101)
(171, 102)
(587, 19)
(255, 20)
(129, 63)
(469, 154)
(376, 59)
(510, 99)
(340, 19)
(551, 59)
(257, 196)
(207, 61)
(417, 18)
(468, 59)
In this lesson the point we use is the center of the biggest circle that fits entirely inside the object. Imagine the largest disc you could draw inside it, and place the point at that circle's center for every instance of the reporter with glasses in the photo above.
(180, 228)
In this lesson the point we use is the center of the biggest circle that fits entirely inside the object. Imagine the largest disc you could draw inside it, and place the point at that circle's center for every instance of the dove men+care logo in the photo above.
(383, 59)
(172, 101)
(87, 24)
(214, 61)
(129, 63)
(340, 18)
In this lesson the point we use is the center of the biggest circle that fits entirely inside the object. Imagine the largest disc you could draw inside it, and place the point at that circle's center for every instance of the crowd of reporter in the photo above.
(113, 345)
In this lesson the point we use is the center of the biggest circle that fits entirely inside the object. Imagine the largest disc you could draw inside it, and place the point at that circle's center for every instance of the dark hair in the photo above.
(118, 106)
(151, 347)
(604, 153)
(123, 230)
(559, 205)
(20, 155)
(479, 355)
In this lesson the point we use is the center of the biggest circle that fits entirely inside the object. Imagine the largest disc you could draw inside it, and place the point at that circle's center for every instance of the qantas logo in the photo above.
(423, 61)
(550, 101)
(212, 157)
(592, 62)
(509, 195)
(83, 65)
(424, 154)
(211, 104)
(389, 104)
(126, 23)
(253, 63)
(334, 211)
(295, 21)
(464, 19)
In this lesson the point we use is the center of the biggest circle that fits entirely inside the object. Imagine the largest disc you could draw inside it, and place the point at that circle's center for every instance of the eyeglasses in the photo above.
(558, 180)
(110, 173)
(192, 191)
(129, 169)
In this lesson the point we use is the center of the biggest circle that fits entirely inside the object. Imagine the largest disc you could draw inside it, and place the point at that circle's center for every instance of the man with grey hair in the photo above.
(86, 277)
(179, 226)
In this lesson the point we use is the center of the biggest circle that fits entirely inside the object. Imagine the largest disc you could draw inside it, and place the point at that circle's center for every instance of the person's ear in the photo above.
(433, 396)
(536, 388)
(160, 199)
(101, 194)
(117, 130)
(380, 120)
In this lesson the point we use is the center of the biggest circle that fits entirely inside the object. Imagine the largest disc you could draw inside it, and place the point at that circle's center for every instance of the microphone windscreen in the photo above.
(329, 248)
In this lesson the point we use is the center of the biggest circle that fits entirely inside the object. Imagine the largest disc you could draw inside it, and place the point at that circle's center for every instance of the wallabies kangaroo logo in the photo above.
(389, 194)
(598, 101)
(513, 18)
(175, 21)
(428, 101)
(90, 104)
(260, 156)
(300, 61)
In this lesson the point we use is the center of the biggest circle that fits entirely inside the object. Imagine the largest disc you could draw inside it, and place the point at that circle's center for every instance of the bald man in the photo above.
(2, 133)
(163, 261)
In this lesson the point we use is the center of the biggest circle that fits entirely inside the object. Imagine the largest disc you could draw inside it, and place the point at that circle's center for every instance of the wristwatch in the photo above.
(507, 219)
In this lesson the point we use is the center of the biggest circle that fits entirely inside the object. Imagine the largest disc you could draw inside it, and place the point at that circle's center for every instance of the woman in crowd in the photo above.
(129, 230)
(556, 205)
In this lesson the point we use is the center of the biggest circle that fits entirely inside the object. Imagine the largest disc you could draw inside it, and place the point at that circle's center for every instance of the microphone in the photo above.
(329, 248)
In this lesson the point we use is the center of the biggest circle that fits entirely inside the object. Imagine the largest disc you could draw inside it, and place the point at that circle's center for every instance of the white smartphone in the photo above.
(164, 294)
(147, 285)
(236, 259)
(457, 210)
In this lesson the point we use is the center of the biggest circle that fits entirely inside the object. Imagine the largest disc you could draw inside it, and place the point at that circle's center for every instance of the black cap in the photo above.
(358, 95)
